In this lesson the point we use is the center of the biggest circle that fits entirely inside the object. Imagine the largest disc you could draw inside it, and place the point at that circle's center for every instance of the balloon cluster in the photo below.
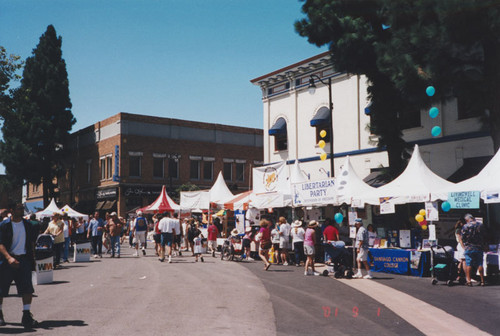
(322, 144)
(420, 218)
(434, 111)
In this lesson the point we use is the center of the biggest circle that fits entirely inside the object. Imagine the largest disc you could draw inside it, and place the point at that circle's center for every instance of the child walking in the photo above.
(198, 244)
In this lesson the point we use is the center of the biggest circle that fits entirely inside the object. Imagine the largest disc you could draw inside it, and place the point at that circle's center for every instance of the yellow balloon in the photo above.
(422, 212)
(419, 218)
(323, 156)
(321, 144)
(424, 227)
(322, 133)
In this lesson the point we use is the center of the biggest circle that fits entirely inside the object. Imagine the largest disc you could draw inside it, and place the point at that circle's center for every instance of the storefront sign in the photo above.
(314, 193)
(116, 175)
(138, 191)
(106, 193)
(464, 200)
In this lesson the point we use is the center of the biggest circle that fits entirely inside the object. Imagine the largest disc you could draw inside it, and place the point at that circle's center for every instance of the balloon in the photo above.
(436, 130)
(446, 206)
(424, 227)
(422, 212)
(433, 112)
(430, 91)
(321, 144)
(323, 156)
(339, 217)
(424, 222)
(322, 133)
(419, 218)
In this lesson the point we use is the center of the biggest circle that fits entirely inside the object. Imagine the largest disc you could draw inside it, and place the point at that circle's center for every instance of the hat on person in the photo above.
(312, 224)
(113, 214)
(248, 229)
(467, 216)
(235, 232)
(139, 213)
(296, 224)
(358, 221)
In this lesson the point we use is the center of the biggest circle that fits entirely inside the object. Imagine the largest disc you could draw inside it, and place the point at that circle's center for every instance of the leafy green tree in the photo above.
(36, 128)
(403, 46)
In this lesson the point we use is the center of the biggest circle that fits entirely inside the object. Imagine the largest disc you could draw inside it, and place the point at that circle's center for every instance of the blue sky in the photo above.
(186, 59)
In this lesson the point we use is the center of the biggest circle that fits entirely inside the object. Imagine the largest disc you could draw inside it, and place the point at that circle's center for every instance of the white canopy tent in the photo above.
(49, 210)
(201, 199)
(487, 182)
(416, 184)
(73, 213)
(350, 186)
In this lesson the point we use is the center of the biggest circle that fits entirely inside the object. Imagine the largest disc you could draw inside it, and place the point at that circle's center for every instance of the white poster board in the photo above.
(404, 238)
(44, 271)
(82, 252)
(431, 211)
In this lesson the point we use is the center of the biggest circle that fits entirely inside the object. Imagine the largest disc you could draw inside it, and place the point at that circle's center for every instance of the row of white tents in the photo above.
(53, 208)
(416, 184)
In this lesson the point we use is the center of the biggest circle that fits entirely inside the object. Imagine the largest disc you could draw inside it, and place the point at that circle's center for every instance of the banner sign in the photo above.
(464, 199)
(116, 175)
(271, 178)
(491, 197)
(314, 193)
(386, 205)
(391, 261)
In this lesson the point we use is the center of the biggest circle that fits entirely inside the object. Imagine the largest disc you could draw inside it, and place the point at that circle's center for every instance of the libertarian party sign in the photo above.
(464, 199)
(314, 193)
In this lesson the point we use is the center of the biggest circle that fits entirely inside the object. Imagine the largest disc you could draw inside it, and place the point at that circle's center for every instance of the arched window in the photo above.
(321, 121)
(280, 134)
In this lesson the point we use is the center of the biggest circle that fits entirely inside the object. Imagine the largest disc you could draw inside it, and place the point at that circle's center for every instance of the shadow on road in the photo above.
(47, 325)
(53, 283)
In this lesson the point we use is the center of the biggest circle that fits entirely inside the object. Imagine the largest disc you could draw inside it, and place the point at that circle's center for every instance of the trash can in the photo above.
(44, 258)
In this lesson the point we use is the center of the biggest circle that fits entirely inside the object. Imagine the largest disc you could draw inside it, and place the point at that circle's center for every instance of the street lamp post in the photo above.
(176, 158)
(312, 90)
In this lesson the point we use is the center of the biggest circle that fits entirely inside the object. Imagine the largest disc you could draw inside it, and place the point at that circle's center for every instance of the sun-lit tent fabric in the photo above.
(73, 213)
(49, 210)
(220, 193)
(162, 204)
(487, 181)
(349, 186)
(238, 202)
(198, 199)
(416, 184)
(296, 174)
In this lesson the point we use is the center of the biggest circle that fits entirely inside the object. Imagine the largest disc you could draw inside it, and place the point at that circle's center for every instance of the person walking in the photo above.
(114, 228)
(166, 227)
(67, 236)
(213, 233)
(362, 249)
(460, 249)
(275, 240)
(473, 244)
(309, 250)
(247, 242)
(264, 242)
(17, 261)
(96, 228)
(56, 228)
(298, 241)
(198, 246)
(140, 231)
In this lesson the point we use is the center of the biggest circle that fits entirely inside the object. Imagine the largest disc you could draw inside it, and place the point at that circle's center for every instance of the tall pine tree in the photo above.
(36, 129)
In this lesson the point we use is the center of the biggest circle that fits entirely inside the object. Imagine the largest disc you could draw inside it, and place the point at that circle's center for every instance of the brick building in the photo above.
(121, 163)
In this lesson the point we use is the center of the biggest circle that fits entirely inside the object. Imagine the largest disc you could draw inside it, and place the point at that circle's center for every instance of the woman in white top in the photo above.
(298, 234)
(275, 240)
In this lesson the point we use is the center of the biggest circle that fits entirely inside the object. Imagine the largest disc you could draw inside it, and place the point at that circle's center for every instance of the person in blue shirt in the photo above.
(96, 228)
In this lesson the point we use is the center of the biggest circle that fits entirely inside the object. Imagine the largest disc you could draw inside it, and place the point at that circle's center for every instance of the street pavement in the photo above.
(140, 295)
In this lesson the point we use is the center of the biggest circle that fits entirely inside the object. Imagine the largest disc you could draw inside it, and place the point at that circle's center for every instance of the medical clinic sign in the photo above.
(314, 193)
(464, 199)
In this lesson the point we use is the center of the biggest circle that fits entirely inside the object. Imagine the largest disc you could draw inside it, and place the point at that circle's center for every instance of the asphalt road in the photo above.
(131, 296)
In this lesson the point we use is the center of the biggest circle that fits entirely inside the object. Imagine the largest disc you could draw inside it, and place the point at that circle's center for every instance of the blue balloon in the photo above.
(339, 217)
(430, 91)
(433, 112)
(436, 130)
(446, 206)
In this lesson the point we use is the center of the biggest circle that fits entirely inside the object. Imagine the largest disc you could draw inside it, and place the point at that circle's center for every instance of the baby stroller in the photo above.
(44, 247)
(232, 249)
(443, 265)
(341, 260)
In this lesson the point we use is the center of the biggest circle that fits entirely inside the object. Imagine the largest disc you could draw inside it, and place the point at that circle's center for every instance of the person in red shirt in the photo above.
(213, 233)
(330, 234)
(264, 236)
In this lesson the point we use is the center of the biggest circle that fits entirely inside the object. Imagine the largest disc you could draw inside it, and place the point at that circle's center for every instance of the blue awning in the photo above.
(322, 117)
(279, 127)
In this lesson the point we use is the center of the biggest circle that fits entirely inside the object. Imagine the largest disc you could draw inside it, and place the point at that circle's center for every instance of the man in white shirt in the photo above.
(167, 229)
(284, 228)
(178, 233)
